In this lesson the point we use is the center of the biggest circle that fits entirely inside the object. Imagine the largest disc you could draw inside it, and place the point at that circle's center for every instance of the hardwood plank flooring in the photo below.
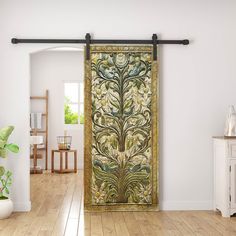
(57, 209)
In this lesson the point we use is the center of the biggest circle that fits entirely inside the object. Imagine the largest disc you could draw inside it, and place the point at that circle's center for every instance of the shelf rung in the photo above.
(38, 156)
(42, 131)
(44, 114)
(38, 97)
(39, 131)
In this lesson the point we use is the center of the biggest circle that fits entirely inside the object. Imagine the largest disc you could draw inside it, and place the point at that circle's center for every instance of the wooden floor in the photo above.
(57, 209)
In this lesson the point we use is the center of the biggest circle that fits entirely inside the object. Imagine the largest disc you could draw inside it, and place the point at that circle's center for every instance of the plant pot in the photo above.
(6, 208)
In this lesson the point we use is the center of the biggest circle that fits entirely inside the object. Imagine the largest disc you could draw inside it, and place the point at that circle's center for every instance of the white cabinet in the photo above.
(233, 184)
(225, 175)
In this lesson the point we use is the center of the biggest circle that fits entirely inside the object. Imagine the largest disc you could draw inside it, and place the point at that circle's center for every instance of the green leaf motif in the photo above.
(5, 182)
(12, 147)
(8, 174)
(6, 132)
(2, 143)
(7, 191)
(121, 126)
(3, 153)
(4, 135)
(2, 171)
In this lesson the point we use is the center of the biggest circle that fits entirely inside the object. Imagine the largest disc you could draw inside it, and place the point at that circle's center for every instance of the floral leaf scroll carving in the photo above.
(121, 126)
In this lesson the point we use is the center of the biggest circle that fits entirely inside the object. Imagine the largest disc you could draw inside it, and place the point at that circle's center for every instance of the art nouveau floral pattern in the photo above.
(121, 126)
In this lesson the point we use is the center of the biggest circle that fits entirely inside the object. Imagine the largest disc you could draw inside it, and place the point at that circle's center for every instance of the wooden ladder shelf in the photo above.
(44, 132)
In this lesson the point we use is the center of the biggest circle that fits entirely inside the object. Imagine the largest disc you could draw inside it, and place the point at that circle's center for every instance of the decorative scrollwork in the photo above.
(121, 127)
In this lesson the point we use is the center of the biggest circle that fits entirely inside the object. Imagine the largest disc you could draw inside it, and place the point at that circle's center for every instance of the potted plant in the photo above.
(6, 205)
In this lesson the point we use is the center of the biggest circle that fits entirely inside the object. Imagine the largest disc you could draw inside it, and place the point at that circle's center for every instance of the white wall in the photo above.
(49, 70)
(197, 82)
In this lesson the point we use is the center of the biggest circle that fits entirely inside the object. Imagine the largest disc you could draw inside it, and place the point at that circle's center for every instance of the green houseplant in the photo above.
(6, 204)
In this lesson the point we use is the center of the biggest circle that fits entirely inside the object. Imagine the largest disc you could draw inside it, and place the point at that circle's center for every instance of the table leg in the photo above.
(66, 160)
(52, 162)
(61, 157)
(75, 161)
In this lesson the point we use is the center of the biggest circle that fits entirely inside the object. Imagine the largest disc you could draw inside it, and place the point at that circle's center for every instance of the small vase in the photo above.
(6, 208)
(230, 126)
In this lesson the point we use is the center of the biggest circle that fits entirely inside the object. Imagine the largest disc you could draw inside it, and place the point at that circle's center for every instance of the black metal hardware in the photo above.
(88, 41)
(154, 39)
(99, 41)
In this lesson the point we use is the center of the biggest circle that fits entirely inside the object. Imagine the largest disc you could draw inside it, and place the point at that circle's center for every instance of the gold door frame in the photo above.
(88, 132)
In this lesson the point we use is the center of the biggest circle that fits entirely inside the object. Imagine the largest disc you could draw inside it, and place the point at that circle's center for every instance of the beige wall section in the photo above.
(49, 70)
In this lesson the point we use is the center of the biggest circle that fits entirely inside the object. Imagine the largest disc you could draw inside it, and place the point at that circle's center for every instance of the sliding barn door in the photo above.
(121, 140)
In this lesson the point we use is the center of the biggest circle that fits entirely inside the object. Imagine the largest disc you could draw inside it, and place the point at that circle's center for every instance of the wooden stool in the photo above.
(66, 170)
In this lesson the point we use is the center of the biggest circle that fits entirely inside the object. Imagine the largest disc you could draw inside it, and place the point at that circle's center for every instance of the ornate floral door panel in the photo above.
(121, 129)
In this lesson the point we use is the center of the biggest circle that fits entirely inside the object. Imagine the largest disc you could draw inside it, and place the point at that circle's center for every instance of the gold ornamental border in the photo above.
(88, 133)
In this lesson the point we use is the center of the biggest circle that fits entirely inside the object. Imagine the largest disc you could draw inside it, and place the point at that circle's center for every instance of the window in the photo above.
(73, 103)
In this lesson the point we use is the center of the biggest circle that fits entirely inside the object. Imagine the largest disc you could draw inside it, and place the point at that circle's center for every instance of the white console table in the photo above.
(225, 175)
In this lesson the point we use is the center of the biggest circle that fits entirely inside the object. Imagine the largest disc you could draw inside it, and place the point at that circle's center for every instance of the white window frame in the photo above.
(79, 103)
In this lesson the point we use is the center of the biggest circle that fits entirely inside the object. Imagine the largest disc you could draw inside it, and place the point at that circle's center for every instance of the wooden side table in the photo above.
(65, 170)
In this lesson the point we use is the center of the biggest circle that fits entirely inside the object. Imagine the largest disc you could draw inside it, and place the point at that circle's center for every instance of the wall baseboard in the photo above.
(185, 205)
(164, 206)
(22, 206)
